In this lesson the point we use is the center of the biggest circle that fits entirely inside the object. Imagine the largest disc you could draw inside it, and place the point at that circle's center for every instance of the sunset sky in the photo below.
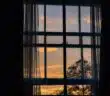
(54, 23)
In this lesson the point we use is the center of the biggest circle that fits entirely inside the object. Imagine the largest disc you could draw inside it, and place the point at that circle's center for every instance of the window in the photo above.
(61, 49)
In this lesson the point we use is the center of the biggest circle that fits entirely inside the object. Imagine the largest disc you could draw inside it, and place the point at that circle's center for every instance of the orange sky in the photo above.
(48, 49)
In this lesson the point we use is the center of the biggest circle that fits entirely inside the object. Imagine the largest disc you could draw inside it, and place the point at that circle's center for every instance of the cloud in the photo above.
(54, 66)
(56, 23)
(72, 20)
(48, 49)
(87, 19)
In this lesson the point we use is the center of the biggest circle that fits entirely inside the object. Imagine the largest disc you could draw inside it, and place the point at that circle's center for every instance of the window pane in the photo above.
(38, 39)
(54, 39)
(72, 39)
(48, 89)
(39, 68)
(36, 90)
(97, 20)
(35, 65)
(87, 65)
(27, 56)
(98, 60)
(54, 18)
(87, 40)
(54, 62)
(25, 65)
(73, 55)
(79, 90)
(97, 39)
(40, 17)
(71, 19)
(85, 19)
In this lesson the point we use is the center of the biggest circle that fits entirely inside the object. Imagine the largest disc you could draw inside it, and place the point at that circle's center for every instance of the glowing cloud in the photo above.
(72, 20)
(48, 49)
(87, 19)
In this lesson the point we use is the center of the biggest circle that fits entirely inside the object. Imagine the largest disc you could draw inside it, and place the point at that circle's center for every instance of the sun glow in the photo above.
(48, 49)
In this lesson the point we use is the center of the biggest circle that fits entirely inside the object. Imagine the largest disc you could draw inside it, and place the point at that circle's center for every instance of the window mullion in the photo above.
(64, 48)
(81, 43)
(45, 52)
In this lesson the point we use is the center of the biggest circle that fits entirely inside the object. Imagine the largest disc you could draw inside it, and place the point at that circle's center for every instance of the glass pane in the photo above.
(25, 66)
(39, 68)
(85, 19)
(35, 65)
(26, 62)
(54, 62)
(87, 40)
(36, 90)
(87, 65)
(54, 39)
(73, 56)
(97, 20)
(98, 60)
(54, 18)
(79, 90)
(38, 39)
(71, 19)
(40, 17)
(72, 39)
(48, 89)
(97, 39)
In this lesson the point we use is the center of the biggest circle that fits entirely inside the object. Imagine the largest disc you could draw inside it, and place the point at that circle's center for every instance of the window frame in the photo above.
(65, 81)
